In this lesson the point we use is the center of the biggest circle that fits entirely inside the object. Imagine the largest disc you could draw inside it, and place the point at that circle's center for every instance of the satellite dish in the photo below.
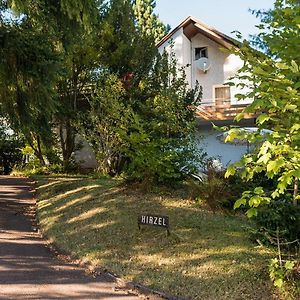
(203, 64)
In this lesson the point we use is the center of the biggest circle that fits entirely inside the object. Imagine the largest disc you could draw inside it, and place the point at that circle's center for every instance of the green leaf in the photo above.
(289, 265)
(278, 282)
(260, 71)
(239, 117)
(252, 212)
(239, 203)
(291, 107)
(255, 201)
(275, 194)
(282, 66)
(264, 158)
(275, 165)
(295, 127)
(263, 118)
(296, 173)
(230, 171)
(294, 67)
(259, 190)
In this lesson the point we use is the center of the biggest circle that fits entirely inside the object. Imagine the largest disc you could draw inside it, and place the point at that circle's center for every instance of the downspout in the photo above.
(192, 67)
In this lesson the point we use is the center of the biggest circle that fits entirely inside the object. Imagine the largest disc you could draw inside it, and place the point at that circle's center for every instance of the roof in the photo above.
(191, 26)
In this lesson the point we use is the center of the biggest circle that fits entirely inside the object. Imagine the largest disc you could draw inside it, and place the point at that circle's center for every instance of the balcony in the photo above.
(220, 110)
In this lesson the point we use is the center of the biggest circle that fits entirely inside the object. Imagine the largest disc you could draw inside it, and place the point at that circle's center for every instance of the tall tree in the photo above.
(273, 75)
(75, 87)
(28, 72)
(148, 21)
(33, 60)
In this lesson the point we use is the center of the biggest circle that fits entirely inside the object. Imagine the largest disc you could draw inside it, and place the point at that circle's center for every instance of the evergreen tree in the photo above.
(33, 53)
(29, 64)
(123, 50)
(148, 22)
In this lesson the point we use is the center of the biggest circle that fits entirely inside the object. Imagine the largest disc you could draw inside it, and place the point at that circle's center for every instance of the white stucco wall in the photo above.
(180, 45)
(223, 65)
(175, 44)
(215, 75)
(187, 59)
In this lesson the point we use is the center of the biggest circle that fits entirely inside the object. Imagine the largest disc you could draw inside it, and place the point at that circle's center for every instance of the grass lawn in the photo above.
(207, 256)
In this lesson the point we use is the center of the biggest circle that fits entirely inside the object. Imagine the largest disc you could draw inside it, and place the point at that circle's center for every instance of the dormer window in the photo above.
(200, 52)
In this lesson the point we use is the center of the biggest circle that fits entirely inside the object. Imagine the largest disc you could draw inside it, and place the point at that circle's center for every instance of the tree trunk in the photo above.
(37, 150)
(67, 140)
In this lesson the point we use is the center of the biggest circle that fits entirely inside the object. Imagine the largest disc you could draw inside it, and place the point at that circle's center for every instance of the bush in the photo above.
(10, 153)
(216, 191)
(279, 215)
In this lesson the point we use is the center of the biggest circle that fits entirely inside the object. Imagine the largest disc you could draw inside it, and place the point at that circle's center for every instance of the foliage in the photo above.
(161, 134)
(98, 59)
(282, 214)
(82, 12)
(28, 71)
(10, 148)
(140, 118)
(33, 49)
(74, 87)
(283, 276)
(215, 191)
(102, 123)
(148, 22)
(273, 78)
(123, 49)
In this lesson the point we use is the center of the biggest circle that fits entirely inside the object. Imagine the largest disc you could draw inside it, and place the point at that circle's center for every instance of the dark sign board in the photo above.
(154, 220)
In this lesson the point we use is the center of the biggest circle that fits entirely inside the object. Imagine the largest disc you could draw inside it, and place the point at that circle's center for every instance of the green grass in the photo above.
(207, 256)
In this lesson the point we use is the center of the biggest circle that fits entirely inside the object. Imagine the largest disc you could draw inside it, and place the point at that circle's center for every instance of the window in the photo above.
(222, 93)
(200, 52)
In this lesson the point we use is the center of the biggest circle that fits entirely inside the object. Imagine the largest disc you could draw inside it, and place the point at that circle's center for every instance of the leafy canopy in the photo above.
(272, 77)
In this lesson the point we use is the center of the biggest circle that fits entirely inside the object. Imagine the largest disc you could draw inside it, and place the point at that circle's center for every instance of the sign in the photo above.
(154, 220)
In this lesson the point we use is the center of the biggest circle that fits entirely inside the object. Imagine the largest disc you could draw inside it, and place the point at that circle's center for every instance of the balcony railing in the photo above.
(220, 109)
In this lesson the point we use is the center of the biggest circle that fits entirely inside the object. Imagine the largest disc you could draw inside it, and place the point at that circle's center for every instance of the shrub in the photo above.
(279, 215)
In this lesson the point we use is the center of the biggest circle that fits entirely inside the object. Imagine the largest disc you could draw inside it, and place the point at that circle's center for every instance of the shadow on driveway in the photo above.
(28, 270)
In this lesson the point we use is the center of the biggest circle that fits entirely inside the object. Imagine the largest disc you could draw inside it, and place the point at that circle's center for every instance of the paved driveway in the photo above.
(28, 270)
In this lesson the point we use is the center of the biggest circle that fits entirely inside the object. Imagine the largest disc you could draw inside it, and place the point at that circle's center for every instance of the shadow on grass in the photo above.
(207, 256)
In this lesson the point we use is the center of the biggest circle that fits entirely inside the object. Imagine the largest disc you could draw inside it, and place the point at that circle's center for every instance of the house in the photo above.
(203, 51)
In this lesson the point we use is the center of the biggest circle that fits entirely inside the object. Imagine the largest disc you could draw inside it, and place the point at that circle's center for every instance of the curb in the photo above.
(140, 288)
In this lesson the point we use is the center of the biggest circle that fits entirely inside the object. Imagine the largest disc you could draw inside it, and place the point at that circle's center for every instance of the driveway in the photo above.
(28, 269)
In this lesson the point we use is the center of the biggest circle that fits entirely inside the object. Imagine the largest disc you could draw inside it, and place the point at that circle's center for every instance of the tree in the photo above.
(75, 85)
(147, 21)
(10, 148)
(102, 124)
(123, 49)
(141, 120)
(33, 61)
(28, 72)
(273, 78)
(161, 136)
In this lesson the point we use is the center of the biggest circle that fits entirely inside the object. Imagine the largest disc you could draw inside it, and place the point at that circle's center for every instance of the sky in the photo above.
(224, 15)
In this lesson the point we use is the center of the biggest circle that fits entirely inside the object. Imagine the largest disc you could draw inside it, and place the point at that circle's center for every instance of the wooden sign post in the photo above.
(154, 220)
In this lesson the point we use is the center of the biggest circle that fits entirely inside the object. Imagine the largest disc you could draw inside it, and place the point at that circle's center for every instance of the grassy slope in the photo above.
(207, 256)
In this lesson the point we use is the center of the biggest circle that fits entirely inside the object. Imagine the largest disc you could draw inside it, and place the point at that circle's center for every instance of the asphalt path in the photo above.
(28, 269)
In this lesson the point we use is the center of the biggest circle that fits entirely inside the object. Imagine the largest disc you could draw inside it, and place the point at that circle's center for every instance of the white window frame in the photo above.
(220, 86)
(206, 47)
